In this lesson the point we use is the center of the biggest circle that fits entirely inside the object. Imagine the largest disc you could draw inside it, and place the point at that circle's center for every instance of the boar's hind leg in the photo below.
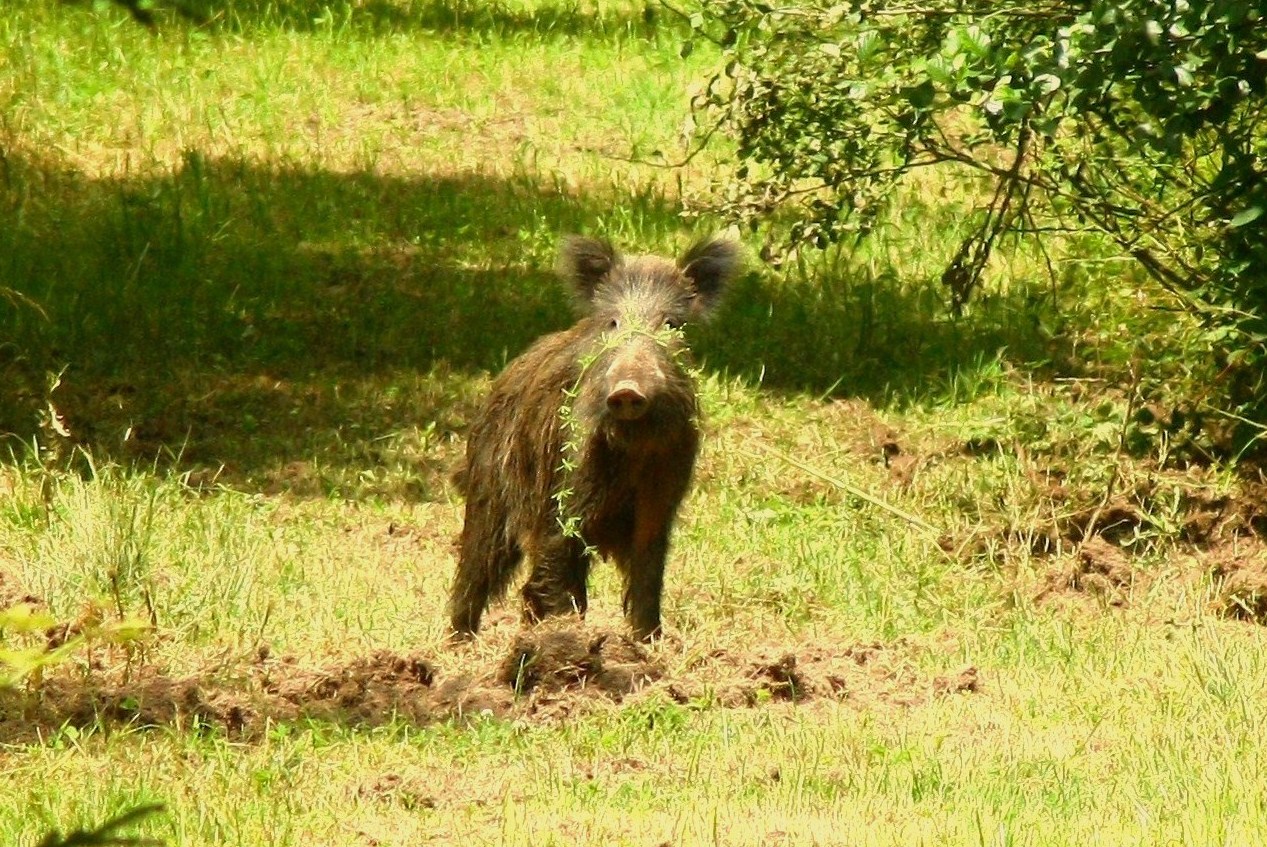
(557, 583)
(486, 563)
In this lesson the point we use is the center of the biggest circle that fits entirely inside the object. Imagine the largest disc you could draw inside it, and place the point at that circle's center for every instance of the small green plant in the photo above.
(26, 650)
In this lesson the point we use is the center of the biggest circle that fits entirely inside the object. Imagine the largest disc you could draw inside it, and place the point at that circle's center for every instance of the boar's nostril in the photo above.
(626, 401)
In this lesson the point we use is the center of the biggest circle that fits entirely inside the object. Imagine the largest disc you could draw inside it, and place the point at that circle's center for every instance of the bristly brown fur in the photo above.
(630, 469)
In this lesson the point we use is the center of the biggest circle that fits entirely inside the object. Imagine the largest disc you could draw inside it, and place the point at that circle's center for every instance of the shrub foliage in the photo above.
(1140, 119)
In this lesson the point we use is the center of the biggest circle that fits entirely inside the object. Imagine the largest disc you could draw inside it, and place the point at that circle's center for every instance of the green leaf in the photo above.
(24, 618)
(1249, 215)
(939, 71)
(868, 45)
(974, 40)
(921, 96)
(129, 629)
(1046, 83)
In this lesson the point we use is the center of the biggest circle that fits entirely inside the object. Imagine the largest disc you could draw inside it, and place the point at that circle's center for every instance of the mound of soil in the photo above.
(1092, 546)
(1240, 576)
(556, 658)
(865, 674)
(1210, 519)
(1102, 567)
(546, 673)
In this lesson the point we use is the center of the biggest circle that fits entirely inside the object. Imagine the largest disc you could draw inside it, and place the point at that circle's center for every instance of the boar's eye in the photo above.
(614, 323)
(673, 323)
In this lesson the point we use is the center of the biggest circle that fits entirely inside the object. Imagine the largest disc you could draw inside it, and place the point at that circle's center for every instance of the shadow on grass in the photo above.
(328, 333)
(457, 18)
(868, 334)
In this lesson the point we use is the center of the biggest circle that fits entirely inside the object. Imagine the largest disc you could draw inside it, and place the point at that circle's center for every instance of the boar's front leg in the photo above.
(644, 583)
(556, 585)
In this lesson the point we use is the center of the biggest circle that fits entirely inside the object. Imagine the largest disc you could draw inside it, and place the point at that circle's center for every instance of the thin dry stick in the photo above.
(854, 490)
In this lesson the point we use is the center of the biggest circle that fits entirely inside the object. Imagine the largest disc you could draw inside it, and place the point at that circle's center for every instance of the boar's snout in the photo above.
(627, 402)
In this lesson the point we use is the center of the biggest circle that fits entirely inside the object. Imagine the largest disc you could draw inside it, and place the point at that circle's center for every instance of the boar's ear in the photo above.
(584, 262)
(709, 265)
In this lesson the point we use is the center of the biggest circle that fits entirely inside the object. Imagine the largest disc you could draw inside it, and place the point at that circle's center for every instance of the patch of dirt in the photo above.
(1102, 567)
(547, 673)
(392, 789)
(857, 427)
(1239, 571)
(862, 674)
(12, 594)
(966, 681)
(1206, 518)
(1097, 567)
(1119, 521)
(1211, 518)
(864, 433)
(1094, 543)
(555, 658)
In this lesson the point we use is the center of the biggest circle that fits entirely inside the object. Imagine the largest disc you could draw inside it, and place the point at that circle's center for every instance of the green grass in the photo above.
(263, 270)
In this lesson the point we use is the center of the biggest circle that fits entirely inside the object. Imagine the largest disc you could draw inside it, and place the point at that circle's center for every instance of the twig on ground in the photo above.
(914, 520)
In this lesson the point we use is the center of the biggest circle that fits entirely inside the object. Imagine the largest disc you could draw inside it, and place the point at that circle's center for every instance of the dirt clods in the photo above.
(392, 789)
(781, 678)
(1239, 572)
(1102, 567)
(551, 672)
(865, 675)
(11, 594)
(1210, 518)
(966, 681)
(363, 690)
(554, 658)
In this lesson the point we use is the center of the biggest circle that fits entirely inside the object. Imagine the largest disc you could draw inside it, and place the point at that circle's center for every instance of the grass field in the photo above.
(942, 580)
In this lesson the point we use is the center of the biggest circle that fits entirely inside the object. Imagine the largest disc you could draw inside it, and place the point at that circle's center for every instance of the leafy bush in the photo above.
(1142, 120)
